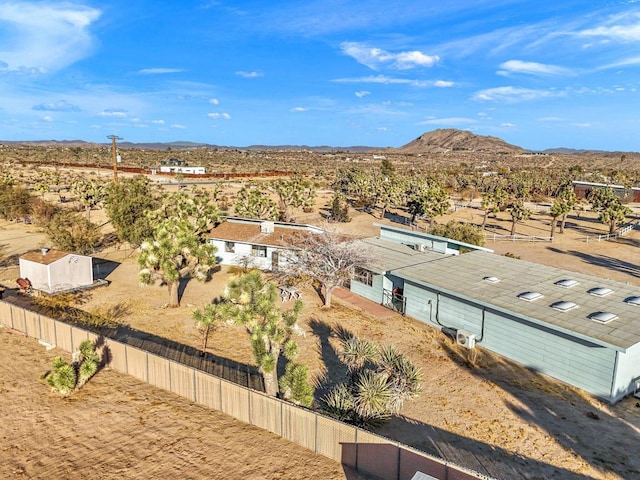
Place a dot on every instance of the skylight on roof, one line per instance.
(567, 283)
(530, 296)
(491, 279)
(600, 291)
(603, 317)
(564, 306)
(633, 301)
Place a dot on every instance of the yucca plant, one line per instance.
(63, 377)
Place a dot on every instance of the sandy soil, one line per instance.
(486, 413)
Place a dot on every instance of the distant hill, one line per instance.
(451, 139)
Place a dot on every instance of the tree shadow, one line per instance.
(231, 370)
(610, 263)
(601, 440)
(335, 371)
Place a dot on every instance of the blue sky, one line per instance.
(538, 74)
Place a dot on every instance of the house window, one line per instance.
(230, 247)
(363, 275)
(258, 250)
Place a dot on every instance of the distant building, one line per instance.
(174, 165)
(583, 190)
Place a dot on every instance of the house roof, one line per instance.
(387, 255)
(248, 231)
(47, 258)
(468, 276)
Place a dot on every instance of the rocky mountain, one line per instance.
(453, 140)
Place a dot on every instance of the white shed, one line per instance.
(52, 271)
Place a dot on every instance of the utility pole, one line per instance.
(115, 156)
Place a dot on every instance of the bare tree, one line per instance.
(329, 258)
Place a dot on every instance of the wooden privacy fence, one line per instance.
(364, 451)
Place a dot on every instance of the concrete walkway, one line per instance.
(351, 299)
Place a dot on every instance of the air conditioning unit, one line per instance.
(636, 390)
(420, 247)
(466, 339)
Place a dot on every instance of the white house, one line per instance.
(256, 243)
(54, 271)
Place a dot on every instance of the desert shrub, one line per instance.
(66, 377)
(73, 232)
(294, 384)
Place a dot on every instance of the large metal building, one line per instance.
(580, 329)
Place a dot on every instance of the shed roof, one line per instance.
(462, 276)
(47, 258)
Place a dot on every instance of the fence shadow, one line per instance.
(610, 263)
(236, 372)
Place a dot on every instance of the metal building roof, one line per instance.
(465, 276)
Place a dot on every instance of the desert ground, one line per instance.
(485, 413)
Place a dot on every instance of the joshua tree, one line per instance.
(67, 377)
(210, 318)
(179, 248)
(610, 209)
(518, 212)
(254, 203)
(431, 203)
(90, 194)
(254, 306)
(492, 201)
(295, 192)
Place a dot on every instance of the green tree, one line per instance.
(519, 212)
(492, 202)
(270, 329)
(562, 205)
(180, 247)
(463, 232)
(339, 211)
(127, 204)
(431, 203)
(70, 231)
(15, 202)
(254, 203)
(295, 386)
(295, 192)
(209, 319)
(610, 209)
(90, 194)
(387, 170)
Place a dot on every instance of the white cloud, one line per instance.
(382, 129)
(47, 118)
(216, 115)
(159, 71)
(531, 68)
(452, 121)
(157, 122)
(178, 126)
(624, 27)
(442, 84)
(249, 74)
(114, 112)
(507, 124)
(299, 109)
(59, 106)
(513, 94)
(375, 58)
(581, 125)
(214, 101)
(550, 119)
(362, 93)
(383, 79)
(45, 36)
